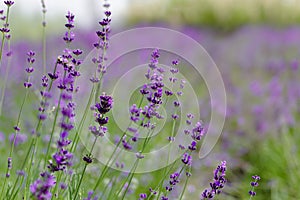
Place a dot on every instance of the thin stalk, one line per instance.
(29, 168)
(104, 171)
(169, 151)
(33, 140)
(164, 177)
(44, 35)
(53, 126)
(130, 177)
(56, 185)
(184, 187)
(14, 140)
(3, 35)
(85, 166)
(111, 190)
(14, 196)
(5, 81)
(23, 165)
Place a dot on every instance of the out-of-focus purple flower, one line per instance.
(41, 188)
(198, 131)
(20, 138)
(2, 137)
(143, 196)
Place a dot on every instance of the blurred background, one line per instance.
(226, 15)
(255, 44)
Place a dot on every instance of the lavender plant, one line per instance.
(60, 167)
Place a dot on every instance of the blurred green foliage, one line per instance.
(220, 14)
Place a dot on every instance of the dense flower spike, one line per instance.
(69, 35)
(105, 104)
(66, 84)
(29, 69)
(103, 42)
(218, 184)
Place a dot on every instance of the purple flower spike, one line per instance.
(105, 104)
(218, 184)
(254, 184)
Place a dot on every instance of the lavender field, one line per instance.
(152, 107)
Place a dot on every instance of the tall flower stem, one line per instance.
(171, 168)
(3, 35)
(184, 187)
(84, 169)
(13, 142)
(44, 35)
(5, 80)
(33, 139)
(29, 169)
(53, 126)
(165, 173)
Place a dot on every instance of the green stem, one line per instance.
(5, 80)
(85, 166)
(23, 165)
(104, 171)
(52, 131)
(53, 126)
(29, 168)
(169, 152)
(56, 185)
(184, 187)
(14, 140)
(44, 36)
(3, 35)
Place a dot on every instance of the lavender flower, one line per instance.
(218, 184)
(187, 159)
(9, 3)
(29, 69)
(41, 188)
(254, 184)
(105, 104)
(173, 181)
(20, 138)
(143, 196)
(69, 35)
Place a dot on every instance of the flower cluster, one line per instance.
(5, 29)
(40, 189)
(69, 35)
(102, 107)
(218, 184)
(70, 64)
(29, 69)
(103, 42)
